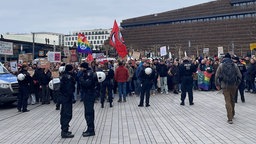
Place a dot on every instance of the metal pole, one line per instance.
(54, 47)
(33, 47)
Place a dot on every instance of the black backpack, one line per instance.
(229, 74)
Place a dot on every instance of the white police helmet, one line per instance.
(51, 84)
(21, 77)
(148, 70)
(61, 69)
(101, 76)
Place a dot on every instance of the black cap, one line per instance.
(84, 65)
(236, 58)
(68, 68)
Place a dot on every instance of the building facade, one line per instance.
(230, 24)
(96, 38)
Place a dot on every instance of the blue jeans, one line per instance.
(122, 90)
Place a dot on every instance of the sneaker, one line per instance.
(119, 100)
(140, 105)
(147, 105)
(191, 103)
(182, 103)
(230, 121)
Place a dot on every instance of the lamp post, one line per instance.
(54, 47)
(33, 46)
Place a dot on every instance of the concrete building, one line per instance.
(230, 24)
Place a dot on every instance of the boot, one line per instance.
(110, 105)
(88, 133)
(67, 135)
(102, 105)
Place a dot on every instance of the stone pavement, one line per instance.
(164, 122)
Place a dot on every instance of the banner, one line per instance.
(163, 51)
(6, 48)
(252, 46)
(28, 57)
(136, 55)
(66, 51)
(54, 56)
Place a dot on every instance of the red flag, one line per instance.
(89, 58)
(116, 40)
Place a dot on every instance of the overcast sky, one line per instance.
(65, 16)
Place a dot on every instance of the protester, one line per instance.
(121, 76)
(228, 77)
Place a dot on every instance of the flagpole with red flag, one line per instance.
(116, 40)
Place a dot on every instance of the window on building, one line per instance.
(68, 43)
(88, 37)
(72, 43)
(102, 37)
(94, 42)
(76, 38)
(72, 38)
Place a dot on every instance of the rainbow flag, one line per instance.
(83, 44)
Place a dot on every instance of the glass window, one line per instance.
(88, 38)
(72, 38)
(71, 43)
(76, 38)
(68, 43)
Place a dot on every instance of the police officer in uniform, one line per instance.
(241, 86)
(107, 84)
(147, 79)
(23, 89)
(67, 88)
(88, 83)
(186, 71)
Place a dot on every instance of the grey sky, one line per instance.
(65, 16)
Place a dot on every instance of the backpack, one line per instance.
(228, 74)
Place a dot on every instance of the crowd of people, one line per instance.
(78, 82)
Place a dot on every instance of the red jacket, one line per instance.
(121, 74)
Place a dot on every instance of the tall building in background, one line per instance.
(196, 30)
(96, 38)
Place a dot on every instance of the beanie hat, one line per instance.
(227, 55)
(68, 68)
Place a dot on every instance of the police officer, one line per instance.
(146, 77)
(186, 71)
(241, 86)
(24, 83)
(67, 88)
(107, 84)
(88, 83)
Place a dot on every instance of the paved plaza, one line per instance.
(164, 122)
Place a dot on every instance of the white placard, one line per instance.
(6, 48)
(163, 51)
(54, 56)
(14, 66)
(220, 50)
